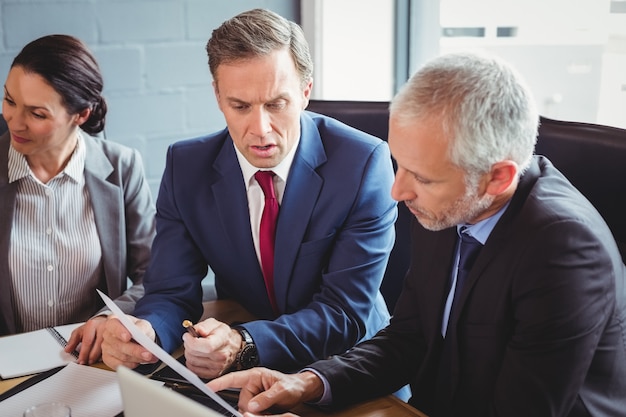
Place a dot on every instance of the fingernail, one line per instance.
(253, 405)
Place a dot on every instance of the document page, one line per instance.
(88, 391)
(34, 352)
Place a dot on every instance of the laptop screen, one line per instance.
(143, 396)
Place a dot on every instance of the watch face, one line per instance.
(249, 357)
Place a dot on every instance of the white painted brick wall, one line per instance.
(151, 53)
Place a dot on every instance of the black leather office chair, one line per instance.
(591, 156)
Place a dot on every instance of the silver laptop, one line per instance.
(143, 397)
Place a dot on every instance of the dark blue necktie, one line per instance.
(468, 252)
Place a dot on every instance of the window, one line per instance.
(571, 52)
(568, 51)
(352, 46)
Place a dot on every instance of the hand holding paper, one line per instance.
(156, 350)
(119, 347)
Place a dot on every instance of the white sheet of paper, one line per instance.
(168, 359)
(33, 352)
(89, 391)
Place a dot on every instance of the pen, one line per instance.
(187, 324)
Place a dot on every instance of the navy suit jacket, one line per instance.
(334, 234)
(539, 329)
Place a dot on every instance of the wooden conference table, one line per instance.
(230, 311)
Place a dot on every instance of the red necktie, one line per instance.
(267, 232)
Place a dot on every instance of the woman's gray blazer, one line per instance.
(124, 214)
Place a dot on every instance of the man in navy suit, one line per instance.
(333, 235)
(535, 326)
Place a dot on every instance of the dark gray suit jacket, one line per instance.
(124, 214)
(541, 325)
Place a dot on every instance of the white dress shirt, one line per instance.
(256, 198)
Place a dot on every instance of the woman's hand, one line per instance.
(88, 339)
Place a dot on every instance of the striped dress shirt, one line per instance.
(55, 254)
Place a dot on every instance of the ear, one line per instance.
(502, 175)
(308, 88)
(82, 116)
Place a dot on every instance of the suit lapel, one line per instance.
(107, 211)
(497, 239)
(229, 191)
(303, 188)
(439, 269)
(7, 206)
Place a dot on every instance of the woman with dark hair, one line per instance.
(76, 213)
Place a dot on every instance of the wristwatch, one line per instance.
(247, 357)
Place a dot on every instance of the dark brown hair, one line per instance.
(68, 66)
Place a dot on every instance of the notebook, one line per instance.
(142, 396)
(35, 351)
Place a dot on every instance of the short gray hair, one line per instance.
(487, 111)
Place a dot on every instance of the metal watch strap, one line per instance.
(245, 336)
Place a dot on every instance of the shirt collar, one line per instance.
(18, 165)
(281, 170)
(76, 166)
(481, 230)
